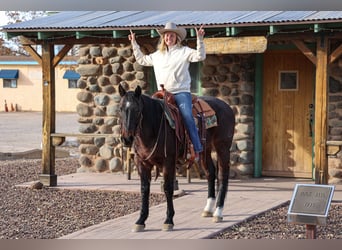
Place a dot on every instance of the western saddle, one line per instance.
(203, 114)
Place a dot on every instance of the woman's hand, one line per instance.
(200, 32)
(131, 36)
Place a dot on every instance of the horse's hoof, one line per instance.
(217, 219)
(167, 227)
(207, 214)
(138, 228)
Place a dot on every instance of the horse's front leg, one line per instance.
(145, 182)
(169, 178)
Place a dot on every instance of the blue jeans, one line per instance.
(183, 101)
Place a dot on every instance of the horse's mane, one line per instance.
(152, 112)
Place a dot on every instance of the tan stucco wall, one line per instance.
(28, 95)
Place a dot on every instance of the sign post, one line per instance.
(310, 205)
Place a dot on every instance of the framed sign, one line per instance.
(310, 204)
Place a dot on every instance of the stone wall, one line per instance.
(103, 67)
(231, 78)
(335, 123)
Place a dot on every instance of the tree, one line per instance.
(13, 46)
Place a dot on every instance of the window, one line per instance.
(288, 80)
(10, 83)
(9, 77)
(195, 77)
(72, 84)
(72, 77)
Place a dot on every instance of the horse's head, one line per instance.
(130, 114)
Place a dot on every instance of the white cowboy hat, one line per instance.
(181, 32)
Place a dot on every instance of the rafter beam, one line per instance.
(228, 32)
(273, 29)
(119, 34)
(33, 53)
(235, 31)
(317, 27)
(61, 54)
(154, 33)
(335, 54)
(305, 50)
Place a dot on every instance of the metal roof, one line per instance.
(91, 20)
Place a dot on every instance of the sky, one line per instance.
(3, 18)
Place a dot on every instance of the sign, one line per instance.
(235, 45)
(310, 204)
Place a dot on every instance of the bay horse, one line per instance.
(144, 126)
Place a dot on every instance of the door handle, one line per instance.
(311, 119)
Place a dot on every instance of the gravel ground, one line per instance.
(273, 225)
(50, 213)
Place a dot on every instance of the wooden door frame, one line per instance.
(322, 59)
(298, 167)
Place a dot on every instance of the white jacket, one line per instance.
(171, 67)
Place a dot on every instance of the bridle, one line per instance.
(162, 121)
(137, 132)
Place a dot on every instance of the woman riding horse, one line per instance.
(155, 142)
(145, 127)
(171, 66)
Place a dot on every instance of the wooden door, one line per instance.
(286, 134)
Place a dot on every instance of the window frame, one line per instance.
(292, 78)
(72, 83)
(10, 83)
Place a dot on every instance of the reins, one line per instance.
(162, 120)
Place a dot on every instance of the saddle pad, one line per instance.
(210, 121)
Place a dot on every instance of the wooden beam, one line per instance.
(305, 50)
(273, 29)
(33, 53)
(235, 31)
(154, 33)
(335, 54)
(61, 54)
(192, 33)
(321, 103)
(317, 27)
(26, 41)
(81, 34)
(48, 176)
(228, 31)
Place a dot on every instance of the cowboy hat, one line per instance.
(172, 27)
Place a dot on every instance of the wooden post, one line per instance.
(321, 103)
(48, 176)
(311, 231)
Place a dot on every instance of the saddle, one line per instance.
(203, 114)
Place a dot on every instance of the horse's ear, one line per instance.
(122, 91)
(137, 91)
